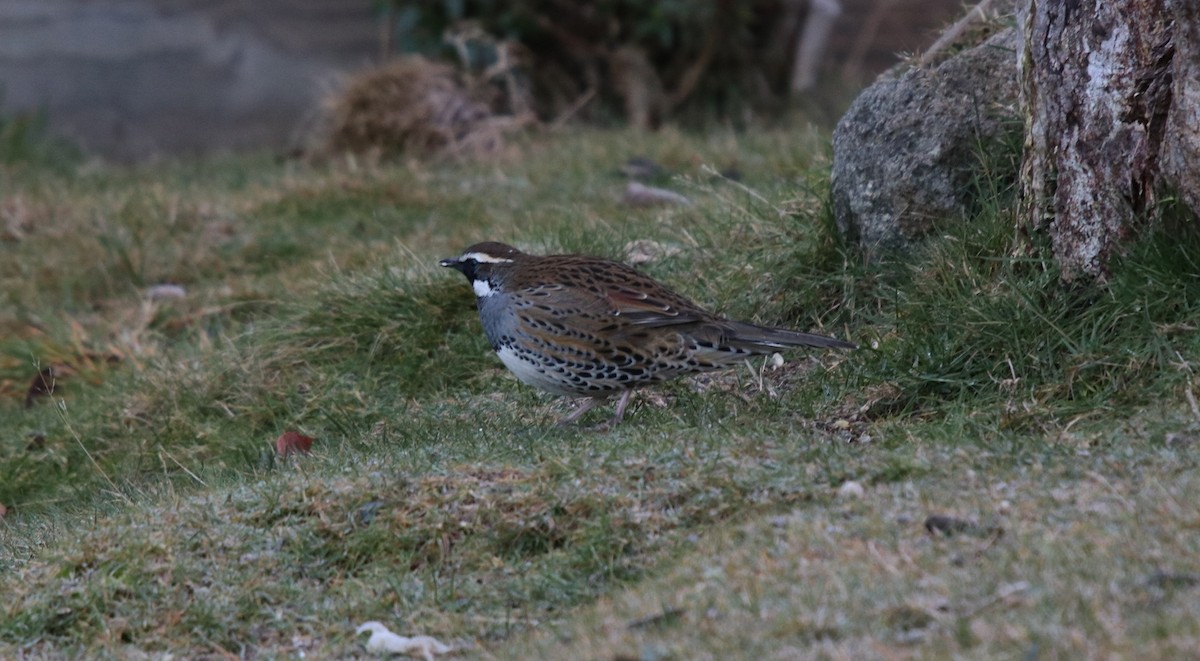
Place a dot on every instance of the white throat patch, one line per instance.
(482, 288)
(483, 258)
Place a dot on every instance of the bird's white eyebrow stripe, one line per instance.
(483, 258)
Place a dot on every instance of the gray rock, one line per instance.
(906, 150)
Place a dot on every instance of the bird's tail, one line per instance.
(759, 339)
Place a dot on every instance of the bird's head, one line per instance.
(484, 264)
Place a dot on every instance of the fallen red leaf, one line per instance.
(293, 442)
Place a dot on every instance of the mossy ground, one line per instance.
(148, 513)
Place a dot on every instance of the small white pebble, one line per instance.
(776, 360)
(851, 489)
(645, 251)
(164, 292)
(382, 640)
(641, 195)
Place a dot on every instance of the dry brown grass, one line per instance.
(414, 107)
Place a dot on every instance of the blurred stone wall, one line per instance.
(129, 79)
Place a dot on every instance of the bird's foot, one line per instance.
(590, 403)
(584, 406)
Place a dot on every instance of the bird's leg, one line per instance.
(584, 406)
(619, 414)
(590, 403)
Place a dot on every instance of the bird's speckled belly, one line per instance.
(564, 351)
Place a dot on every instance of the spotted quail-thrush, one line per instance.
(590, 327)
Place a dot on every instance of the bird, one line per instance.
(595, 328)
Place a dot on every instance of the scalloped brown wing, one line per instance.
(642, 309)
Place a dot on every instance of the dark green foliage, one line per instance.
(742, 49)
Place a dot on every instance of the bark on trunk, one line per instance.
(1181, 153)
(1096, 90)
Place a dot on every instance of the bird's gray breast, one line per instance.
(496, 315)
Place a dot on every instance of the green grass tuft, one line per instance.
(148, 512)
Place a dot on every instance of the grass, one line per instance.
(148, 512)
(1055, 575)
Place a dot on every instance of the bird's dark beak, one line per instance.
(466, 268)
